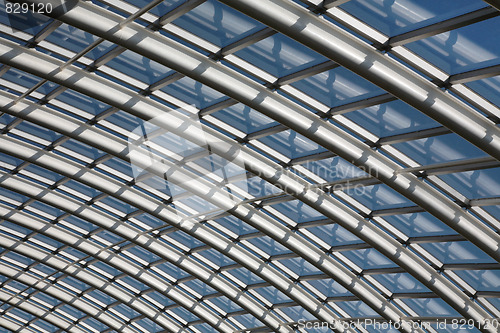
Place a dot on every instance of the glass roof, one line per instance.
(237, 166)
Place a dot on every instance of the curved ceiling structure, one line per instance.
(250, 166)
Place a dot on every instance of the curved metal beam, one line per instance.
(282, 234)
(254, 162)
(26, 305)
(182, 59)
(124, 265)
(56, 292)
(149, 243)
(89, 278)
(383, 243)
(151, 206)
(361, 58)
(173, 55)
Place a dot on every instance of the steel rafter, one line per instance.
(124, 265)
(38, 312)
(46, 117)
(136, 198)
(336, 270)
(149, 243)
(106, 287)
(240, 88)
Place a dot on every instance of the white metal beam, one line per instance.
(198, 67)
(152, 244)
(112, 259)
(329, 207)
(336, 44)
(99, 139)
(259, 220)
(53, 261)
(56, 292)
(151, 206)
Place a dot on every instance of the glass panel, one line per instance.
(368, 259)
(131, 282)
(248, 320)
(6, 119)
(193, 92)
(337, 86)
(218, 23)
(245, 276)
(164, 7)
(139, 67)
(457, 252)
(334, 168)
(333, 234)
(380, 196)
(431, 307)
(203, 328)
(72, 311)
(400, 283)
(45, 325)
(83, 102)
(120, 166)
(125, 310)
(143, 254)
(300, 266)
(19, 258)
(461, 50)
(269, 245)
(185, 239)
(329, 288)
(475, 184)
(419, 225)
(488, 88)
(160, 298)
(26, 317)
(280, 55)
(244, 118)
(216, 257)
(200, 287)
(235, 225)
(273, 295)
(298, 211)
(83, 149)
(493, 210)
(151, 221)
(357, 309)
(21, 78)
(148, 325)
(258, 187)
(399, 16)
(76, 40)
(481, 280)
(54, 177)
(172, 270)
(292, 144)
(391, 118)
(226, 304)
(94, 323)
(79, 223)
(438, 149)
(125, 120)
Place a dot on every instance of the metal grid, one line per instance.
(245, 276)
